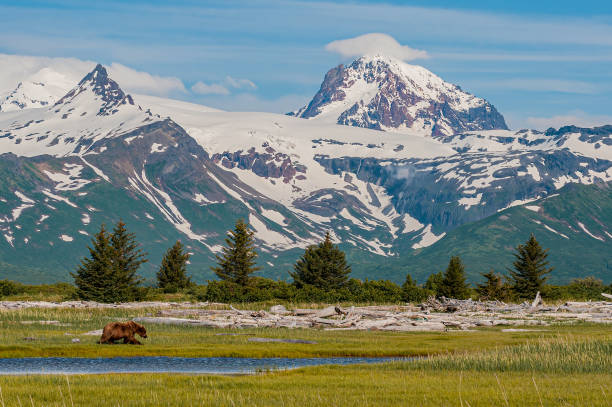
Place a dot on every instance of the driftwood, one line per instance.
(266, 340)
(537, 301)
(435, 314)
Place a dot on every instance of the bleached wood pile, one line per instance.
(432, 315)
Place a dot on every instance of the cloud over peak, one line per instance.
(222, 88)
(16, 68)
(374, 44)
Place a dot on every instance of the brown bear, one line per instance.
(114, 331)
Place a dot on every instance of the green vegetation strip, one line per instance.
(562, 371)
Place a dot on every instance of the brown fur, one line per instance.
(115, 331)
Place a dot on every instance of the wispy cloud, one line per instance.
(16, 68)
(374, 44)
(576, 117)
(240, 83)
(248, 102)
(143, 82)
(540, 85)
(202, 88)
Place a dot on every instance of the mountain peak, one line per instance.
(103, 87)
(385, 93)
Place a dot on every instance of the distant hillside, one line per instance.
(576, 225)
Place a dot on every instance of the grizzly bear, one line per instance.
(114, 331)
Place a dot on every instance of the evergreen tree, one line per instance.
(323, 266)
(109, 273)
(434, 282)
(492, 288)
(237, 261)
(127, 258)
(411, 292)
(453, 284)
(94, 277)
(172, 274)
(530, 268)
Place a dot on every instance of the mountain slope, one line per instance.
(575, 225)
(174, 170)
(383, 93)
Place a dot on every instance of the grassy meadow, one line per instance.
(28, 333)
(556, 365)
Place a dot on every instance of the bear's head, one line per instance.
(139, 329)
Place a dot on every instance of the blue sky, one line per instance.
(539, 62)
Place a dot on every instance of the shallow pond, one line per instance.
(162, 364)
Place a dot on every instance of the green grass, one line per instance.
(165, 340)
(540, 373)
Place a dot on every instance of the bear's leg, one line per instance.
(134, 341)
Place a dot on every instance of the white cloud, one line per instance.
(248, 102)
(16, 68)
(143, 82)
(540, 85)
(374, 44)
(223, 88)
(239, 83)
(576, 118)
(202, 88)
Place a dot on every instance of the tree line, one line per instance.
(109, 274)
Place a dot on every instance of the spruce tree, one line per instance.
(434, 282)
(492, 288)
(454, 285)
(411, 292)
(172, 274)
(94, 277)
(323, 266)
(127, 260)
(109, 273)
(530, 268)
(237, 260)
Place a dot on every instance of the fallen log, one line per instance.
(267, 340)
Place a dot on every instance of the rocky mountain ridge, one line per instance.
(383, 93)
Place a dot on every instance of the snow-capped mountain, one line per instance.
(95, 108)
(176, 170)
(41, 89)
(384, 93)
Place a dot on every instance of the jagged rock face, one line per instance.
(101, 85)
(386, 94)
(270, 164)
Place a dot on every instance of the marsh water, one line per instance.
(162, 364)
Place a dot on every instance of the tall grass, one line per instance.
(563, 354)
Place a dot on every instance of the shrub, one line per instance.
(8, 287)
